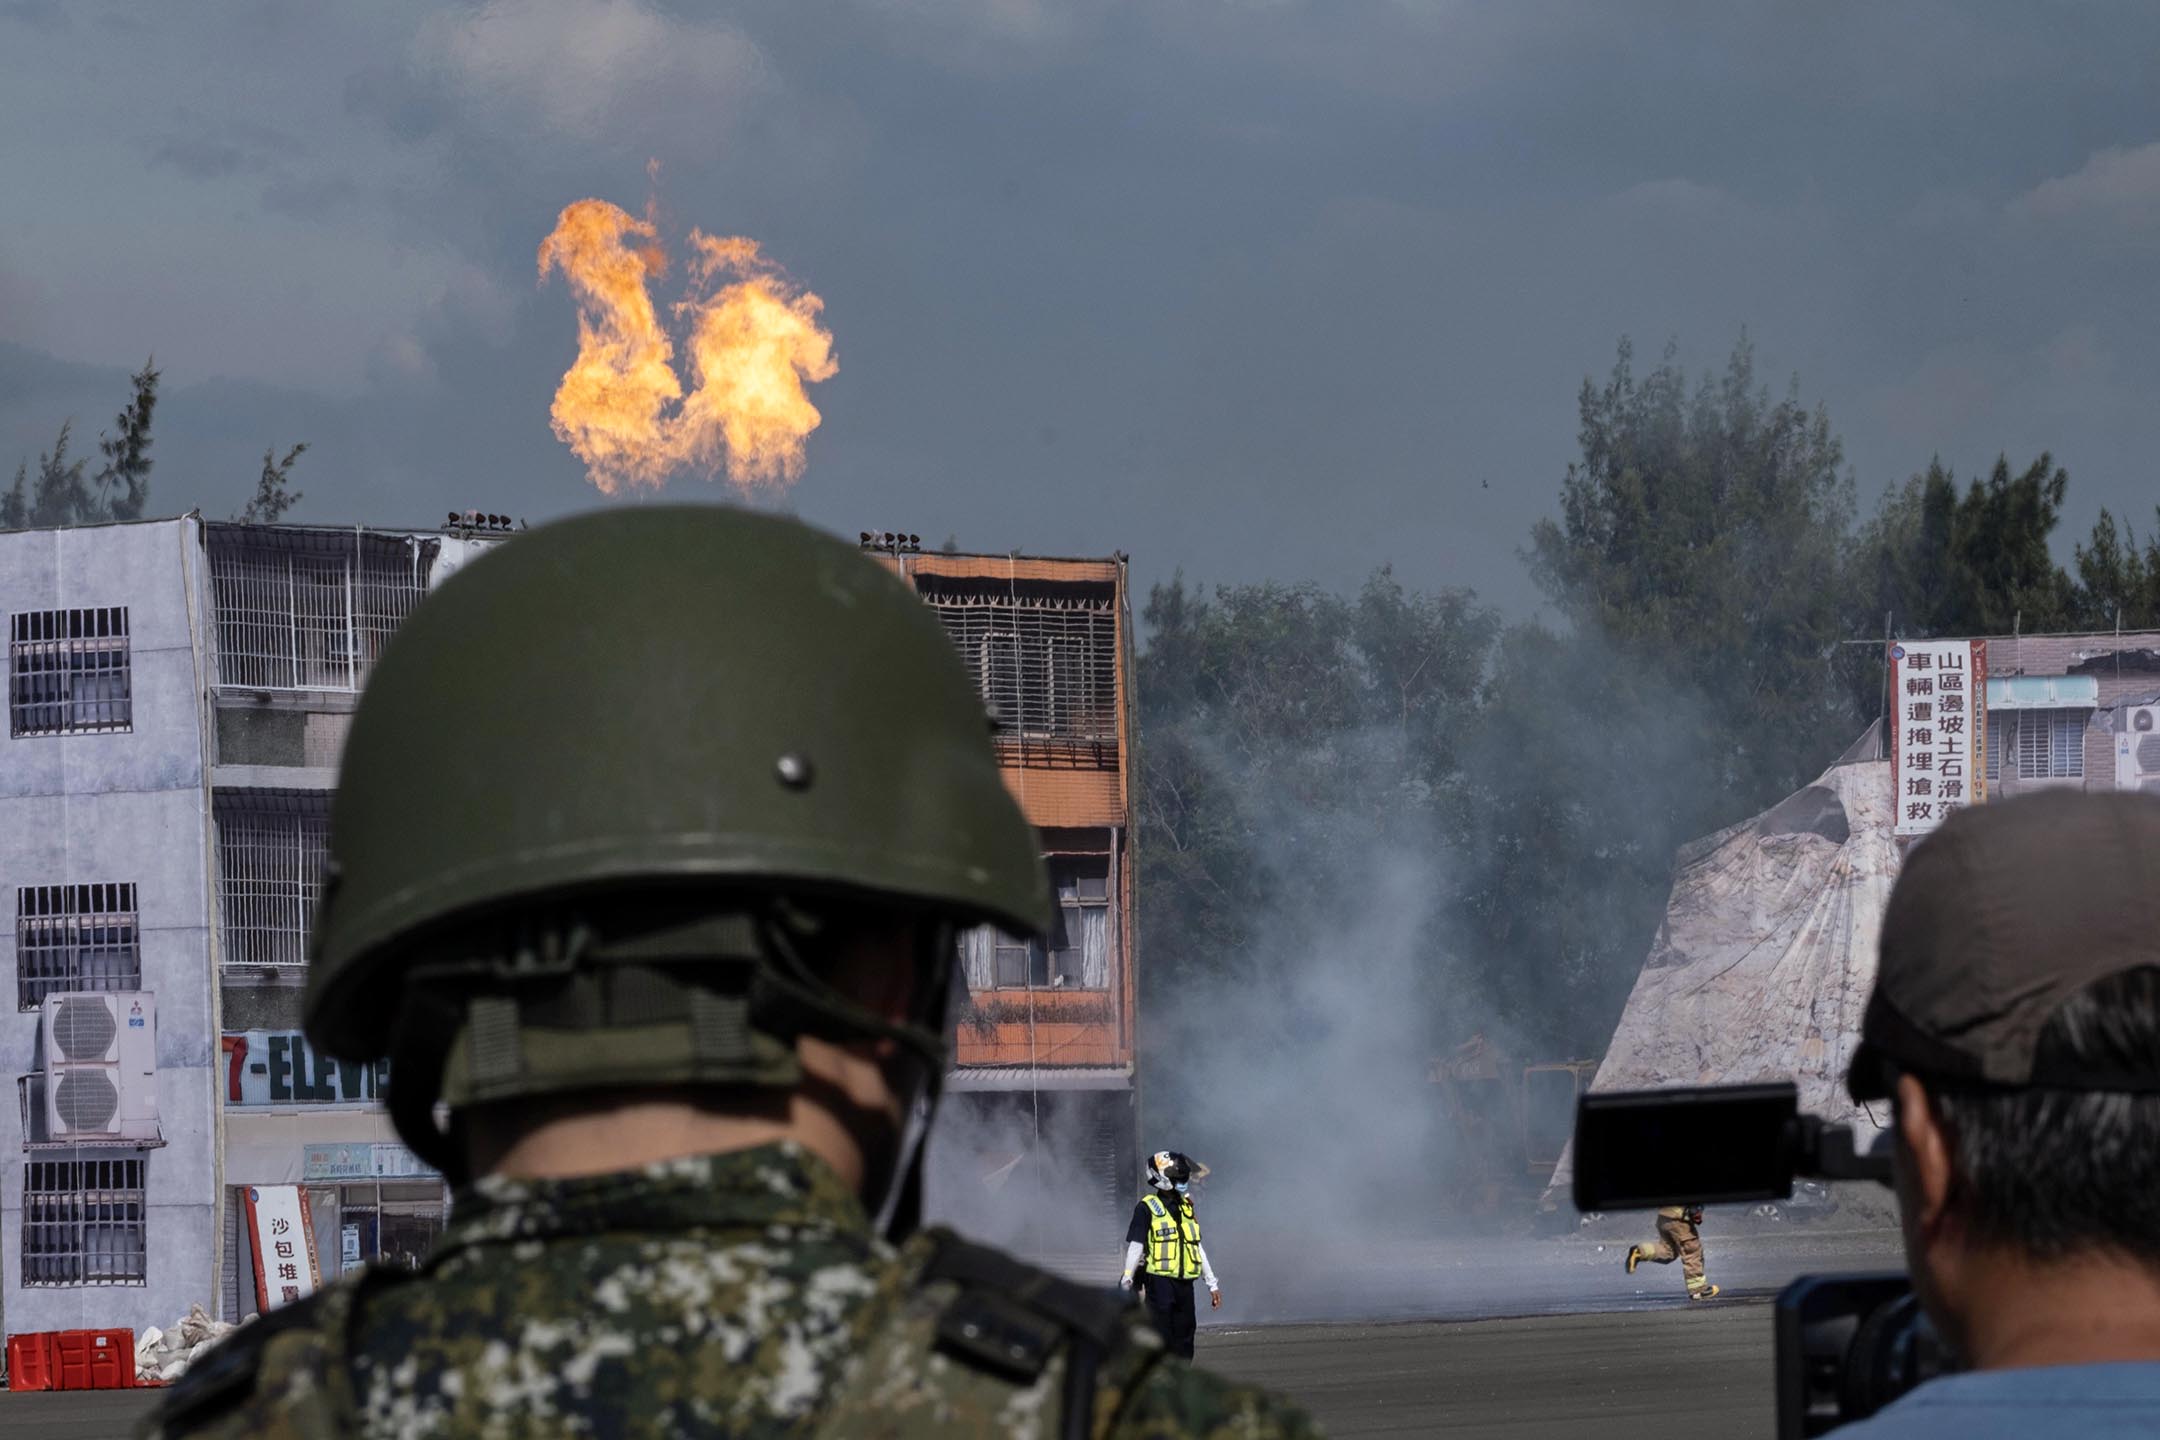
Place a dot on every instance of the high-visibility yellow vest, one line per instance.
(1173, 1247)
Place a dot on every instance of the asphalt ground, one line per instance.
(1679, 1369)
(1586, 1350)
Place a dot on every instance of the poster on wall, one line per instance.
(1938, 730)
(282, 1237)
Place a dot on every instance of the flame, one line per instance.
(753, 343)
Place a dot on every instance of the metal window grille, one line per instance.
(75, 937)
(85, 1222)
(292, 618)
(68, 672)
(2046, 744)
(1046, 667)
(270, 865)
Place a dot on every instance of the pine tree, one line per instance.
(123, 482)
(272, 497)
(15, 504)
(60, 495)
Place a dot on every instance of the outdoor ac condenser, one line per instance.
(2137, 749)
(101, 1066)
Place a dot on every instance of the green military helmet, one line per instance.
(693, 702)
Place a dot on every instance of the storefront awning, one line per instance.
(2044, 692)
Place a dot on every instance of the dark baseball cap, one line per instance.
(2005, 912)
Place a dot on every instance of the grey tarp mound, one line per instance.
(1767, 953)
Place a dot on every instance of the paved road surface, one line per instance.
(1644, 1363)
(1653, 1374)
(1642, 1375)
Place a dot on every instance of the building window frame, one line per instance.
(76, 937)
(70, 672)
(85, 1221)
(272, 849)
(1045, 665)
(1084, 917)
(2037, 744)
(309, 611)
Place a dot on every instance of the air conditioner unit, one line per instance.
(101, 1066)
(2137, 748)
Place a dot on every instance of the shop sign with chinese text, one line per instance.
(1938, 730)
(283, 1240)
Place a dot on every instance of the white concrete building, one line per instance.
(178, 695)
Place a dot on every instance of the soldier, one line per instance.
(1679, 1238)
(653, 836)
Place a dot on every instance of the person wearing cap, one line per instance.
(1679, 1229)
(1163, 1249)
(653, 835)
(2014, 1030)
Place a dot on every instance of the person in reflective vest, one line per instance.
(1165, 1235)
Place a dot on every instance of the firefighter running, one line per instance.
(1679, 1238)
(1165, 1231)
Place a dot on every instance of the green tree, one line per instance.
(273, 495)
(59, 494)
(2117, 582)
(1944, 562)
(123, 482)
(1701, 537)
(63, 493)
(15, 504)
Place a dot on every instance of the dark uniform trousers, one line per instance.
(1170, 1306)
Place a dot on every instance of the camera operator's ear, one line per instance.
(1924, 1154)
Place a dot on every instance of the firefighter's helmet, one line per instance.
(1170, 1169)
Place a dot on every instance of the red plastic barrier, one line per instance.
(93, 1359)
(29, 1361)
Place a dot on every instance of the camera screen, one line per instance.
(1638, 1149)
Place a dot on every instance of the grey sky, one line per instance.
(1258, 289)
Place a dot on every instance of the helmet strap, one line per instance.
(420, 1038)
(898, 1213)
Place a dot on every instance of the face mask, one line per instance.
(1183, 1188)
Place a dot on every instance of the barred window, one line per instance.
(68, 672)
(2037, 744)
(271, 850)
(75, 937)
(309, 610)
(85, 1222)
(1046, 665)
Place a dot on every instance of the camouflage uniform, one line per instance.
(721, 1295)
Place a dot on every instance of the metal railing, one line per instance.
(85, 1222)
(270, 867)
(294, 617)
(75, 937)
(69, 672)
(1045, 666)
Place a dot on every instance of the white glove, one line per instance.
(1125, 1281)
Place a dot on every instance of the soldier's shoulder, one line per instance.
(983, 1342)
(267, 1378)
(1180, 1401)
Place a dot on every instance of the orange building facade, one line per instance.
(1044, 1078)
